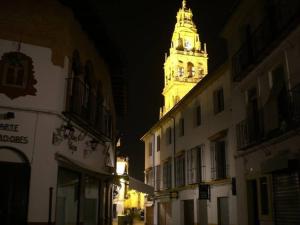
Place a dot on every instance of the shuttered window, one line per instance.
(219, 162)
(167, 175)
(157, 177)
(169, 135)
(158, 143)
(286, 196)
(195, 165)
(150, 149)
(180, 170)
(198, 116)
(218, 100)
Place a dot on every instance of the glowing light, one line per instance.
(121, 167)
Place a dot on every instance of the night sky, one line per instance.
(142, 30)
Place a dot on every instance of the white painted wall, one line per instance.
(38, 117)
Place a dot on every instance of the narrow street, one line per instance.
(135, 222)
(177, 112)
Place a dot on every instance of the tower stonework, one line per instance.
(186, 64)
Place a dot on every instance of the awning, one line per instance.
(81, 167)
(140, 186)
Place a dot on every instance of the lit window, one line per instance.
(180, 71)
(191, 69)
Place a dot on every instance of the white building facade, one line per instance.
(189, 157)
(189, 151)
(57, 119)
(264, 56)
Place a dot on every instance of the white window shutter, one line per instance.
(203, 165)
(227, 157)
(213, 160)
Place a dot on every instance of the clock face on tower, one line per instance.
(188, 45)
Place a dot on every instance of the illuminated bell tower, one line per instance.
(187, 63)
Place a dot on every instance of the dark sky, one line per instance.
(143, 30)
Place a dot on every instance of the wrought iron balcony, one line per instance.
(85, 107)
(281, 18)
(270, 122)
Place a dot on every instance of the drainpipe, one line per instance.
(174, 151)
(153, 158)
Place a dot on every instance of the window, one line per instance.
(176, 99)
(108, 124)
(149, 177)
(218, 160)
(200, 72)
(157, 177)
(158, 143)
(150, 149)
(218, 100)
(16, 75)
(279, 95)
(180, 71)
(191, 69)
(167, 174)
(181, 127)
(198, 115)
(87, 85)
(15, 71)
(180, 170)
(195, 165)
(169, 135)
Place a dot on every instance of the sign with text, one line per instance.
(12, 138)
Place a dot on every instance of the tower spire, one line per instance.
(183, 4)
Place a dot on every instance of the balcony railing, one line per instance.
(270, 122)
(84, 106)
(283, 16)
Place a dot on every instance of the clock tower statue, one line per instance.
(186, 64)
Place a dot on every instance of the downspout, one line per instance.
(174, 151)
(153, 159)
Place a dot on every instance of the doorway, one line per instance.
(164, 213)
(14, 191)
(223, 211)
(149, 215)
(253, 216)
(286, 193)
(188, 213)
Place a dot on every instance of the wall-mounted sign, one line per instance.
(12, 138)
(204, 191)
(9, 127)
